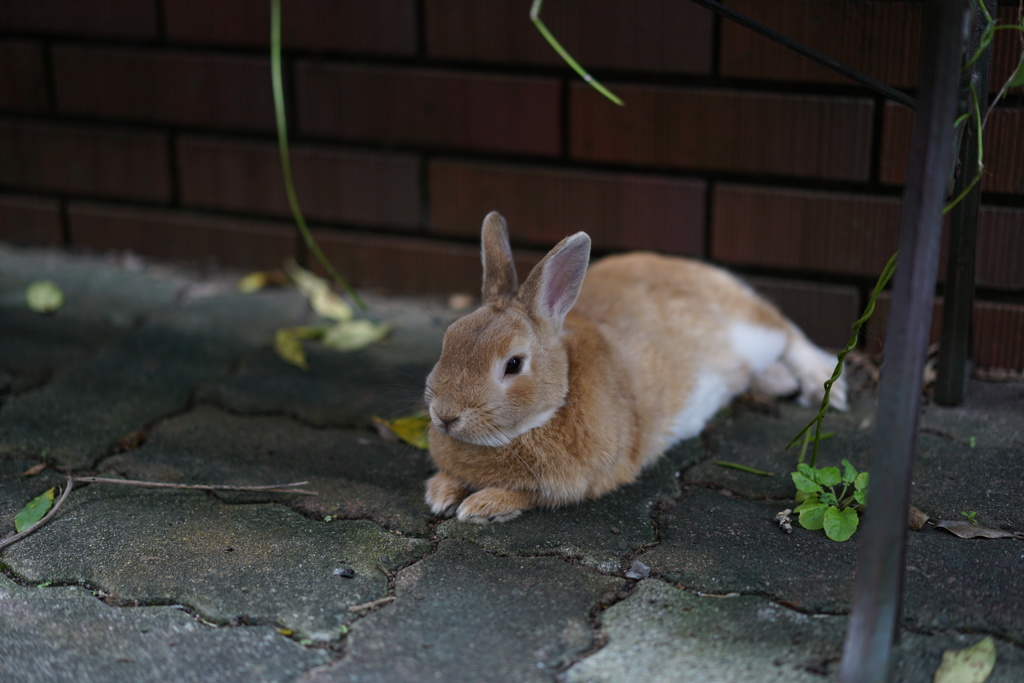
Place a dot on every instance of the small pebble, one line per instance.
(345, 572)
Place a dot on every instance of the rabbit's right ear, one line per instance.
(500, 278)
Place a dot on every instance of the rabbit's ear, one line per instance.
(554, 284)
(500, 278)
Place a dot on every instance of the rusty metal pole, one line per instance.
(878, 594)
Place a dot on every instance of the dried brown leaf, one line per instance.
(34, 470)
(916, 519)
(965, 529)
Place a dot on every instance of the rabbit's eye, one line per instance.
(514, 365)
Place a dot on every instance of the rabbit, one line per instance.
(567, 387)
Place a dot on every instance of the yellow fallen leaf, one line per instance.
(324, 301)
(44, 296)
(329, 305)
(412, 429)
(353, 335)
(288, 344)
(970, 665)
(253, 282)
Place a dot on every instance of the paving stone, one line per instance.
(719, 545)
(65, 633)
(139, 377)
(464, 615)
(992, 414)
(950, 477)
(598, 533)
(261, 564)
(965, 584)
(100, 304)
(757, 438)
(715, 544)
(660, 631)
(357, 474)
(345, 389)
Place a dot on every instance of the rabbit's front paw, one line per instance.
(494, 505)
(444, 493)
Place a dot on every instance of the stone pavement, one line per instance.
(150, 372)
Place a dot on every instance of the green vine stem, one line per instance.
(816, 421)
(282, 144)
(564, 54)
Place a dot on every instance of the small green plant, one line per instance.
(822, 508)
(971, 516)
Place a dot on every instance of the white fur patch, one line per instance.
(710, 393)
(757, 345)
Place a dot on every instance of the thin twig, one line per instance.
(370, 605)
(53, 510)
(268, 488)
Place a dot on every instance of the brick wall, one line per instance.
(148, 125)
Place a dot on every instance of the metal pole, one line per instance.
(877, 606)
(959, 290)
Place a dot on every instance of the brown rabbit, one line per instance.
(563, 389)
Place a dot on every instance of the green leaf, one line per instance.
(808, 471)
(970, 665)
(34, 511)
(829, 476)
(860, 497)
(828, 498)
(840, 524)
(804, 484)
(849, 472)
(861, 482)
(812, 513)
(44, 296)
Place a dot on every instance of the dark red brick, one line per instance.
(30, 221)
(1006, 51)
(181, 236)
(876, 326)
(716, 130)
(1000, 261)
(543, 205)
(84, 160)
(432, 108)
(998, 335)
(795, 229)
(824, 312)
(881, 39)
(644, 35)
(207, 90)
(112, 18)
(1003, 149)
(332, 185)
(366, 26)
(997, 332)
(409, 265)
(23, 86)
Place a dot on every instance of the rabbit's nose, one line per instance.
(447, 422)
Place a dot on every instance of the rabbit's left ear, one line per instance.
(554, 284)
(500, 278)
